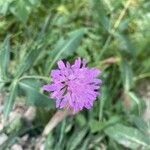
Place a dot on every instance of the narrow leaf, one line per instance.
(66, 47)
(127, 75)
(28, 60)
(137, 101)
(4, 57)
(127, 136)
(9, 101)
(76, 139)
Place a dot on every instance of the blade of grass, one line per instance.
(9, 101)
(4, 57)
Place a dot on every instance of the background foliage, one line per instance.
(112, 35)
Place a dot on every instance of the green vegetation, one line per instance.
(112, 35)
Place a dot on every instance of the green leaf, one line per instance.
(33, 2)
(21, 9)
(4, 57)
(76, 139)
(137, 101)
(85, 143)
(49, 142)
(128, 136)
(60, 143)
(140, 123)
(4, 6)
(9, 101)
(15, 125)
(125, 44)
(100, 14)
(80, 118)
(29, 59)
(127, 75)
(97, 126)
(66, 47)
(145, 65)
(102, 100)
(35, 98)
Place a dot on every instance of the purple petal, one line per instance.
(97, 81)
(63, 103)
(55, 73)
(88, 106)
(53, 87)
(77, 64)
(84, 62)
(61, 64)
(75, 86)
(95, 72)
(68, 65)
(58, 103)
(47, 87)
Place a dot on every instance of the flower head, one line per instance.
(74, 86)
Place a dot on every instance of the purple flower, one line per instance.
(74, 86)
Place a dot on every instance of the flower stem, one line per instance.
(55, 120)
